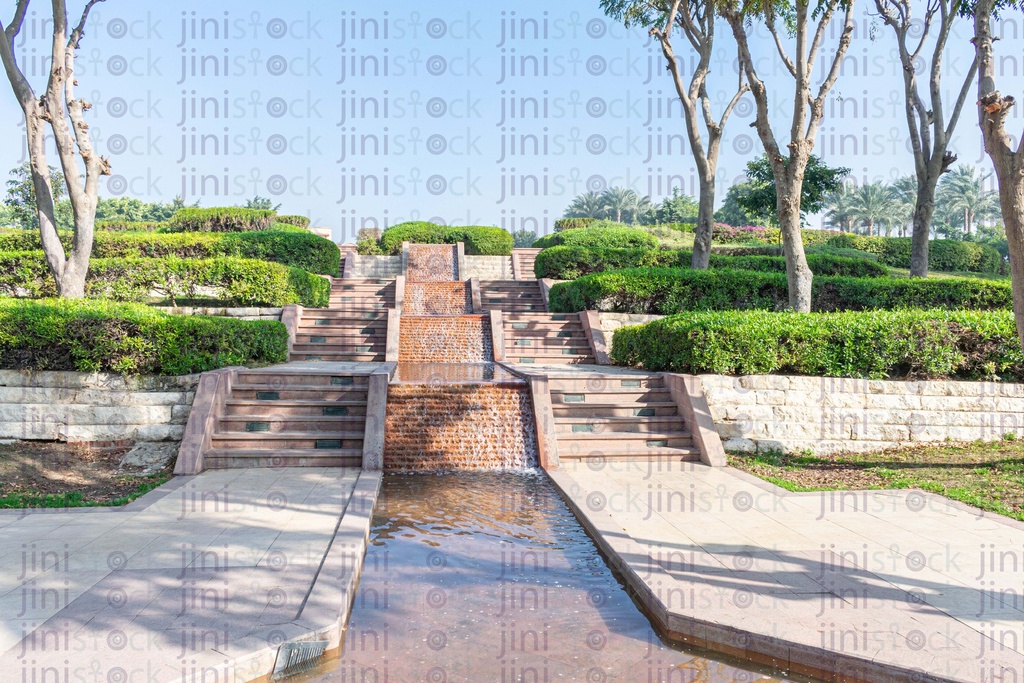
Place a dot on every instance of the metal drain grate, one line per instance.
(294, 658)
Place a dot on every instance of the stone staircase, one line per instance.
(618, 416)
(512, 296)
(545, 338)
(290, 419)
(522, 262)
(354, 328)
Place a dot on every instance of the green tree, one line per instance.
(962, 199)
(588, 205)
(839, 207)
(733, 212)
(871, 204)
(261, 203)
(21, 199)
(679, 208)
(819, 181)
(523, 238)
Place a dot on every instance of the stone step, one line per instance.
(689, 454)
(327, 335)
(294, 408)
(287, 440)
(610, 395)
(551, 317)
(270, 393)
(523, 327)
(368, 344)
(670, 439)
(550, 360)
(548, 342)
(616, 424)
(255, 379)
(268, 424)
(607, 410)
(341, 314)
(603, 383)
(376, 356)
(239, 458)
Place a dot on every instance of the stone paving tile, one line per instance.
(893, 578)
(149, 591)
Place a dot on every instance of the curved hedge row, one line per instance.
(878, 344)
(572, 223)
(673, 290)
(129, 226)
(608, 238)
(244, 282)
(297, 249)
(479, 240)
(99, 336)
(220, 219)
(943, 255)
(565, 262)
(290, 219)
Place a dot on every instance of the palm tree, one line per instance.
(589, 205)
(870, 204)
(838, 204)
(618, 201)
(904, 196)
(961, 197)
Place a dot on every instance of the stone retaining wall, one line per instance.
(372, 267)
(240, 313)
(489, 267)
(833, 415)
(78, 406)
(613, 321)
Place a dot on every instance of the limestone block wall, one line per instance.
(240, 313)
(613, 321)
(384, 267)
(78, 406)
(489, 267)
(834, 415)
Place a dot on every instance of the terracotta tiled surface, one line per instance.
(445, 339)
(432, 263)
(437, 298)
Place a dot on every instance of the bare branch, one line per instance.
(14, 28)
(76, 35)
(770, 23)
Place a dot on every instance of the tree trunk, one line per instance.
(705, 224)
(871, 227)
(1011, 196)
(798, 273)
(924, 209)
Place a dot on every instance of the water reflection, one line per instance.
(489, 577)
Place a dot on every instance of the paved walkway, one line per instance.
(873, 585)
(205, 574)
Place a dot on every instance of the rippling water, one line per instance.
(488, 577)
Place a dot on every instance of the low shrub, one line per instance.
(479, 240)
(943, 255)
(745, 234)
(572, 223)
(300, 221)
(243, 282)
(221, 219)
(570, 262)
(297, 249)
(368, 247)
(932, 344)
(601, 237)
(101, 336)
(129, 226)
(673, 290)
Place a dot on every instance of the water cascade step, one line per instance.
(465, 416)
(433, 263)
(445, 339)
(438, 298)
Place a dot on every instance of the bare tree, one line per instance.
(64, 113)
(1007, 158)
(807, 23)
(696, 21)
(930, 132)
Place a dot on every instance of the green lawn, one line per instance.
(987, 475)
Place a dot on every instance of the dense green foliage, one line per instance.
(820, 180)
(572, 223)
(245, 282)
(297, 249)
(570, 262)
(943, 255)
(673, 290)
(129, 226)
(300, 221)
(479, 240)
(221, 219)
(878, 344)
(607, 237)
(91, 336)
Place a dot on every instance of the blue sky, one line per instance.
(361, 115)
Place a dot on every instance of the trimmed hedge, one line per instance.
(572, 223)
(479, 240)
(300, 221)
(220, 219)
(100, 336)
(297, 249)
(673, 290)
(569, 262)
(968, 345)
(245, 282)
(943, 255)
(129, 226)
(608, 238)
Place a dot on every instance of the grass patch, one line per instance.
(985, 475)
(75, 499)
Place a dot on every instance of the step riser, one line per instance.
(598, 427)
(268, 410)
(261, 425)
(284, 394)
(566, 410)
(338, 358)
(552, 360)
(217, 463)
(274, 442)
(682, 456)
(248, 381)
(609, 396)
(625, 441)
